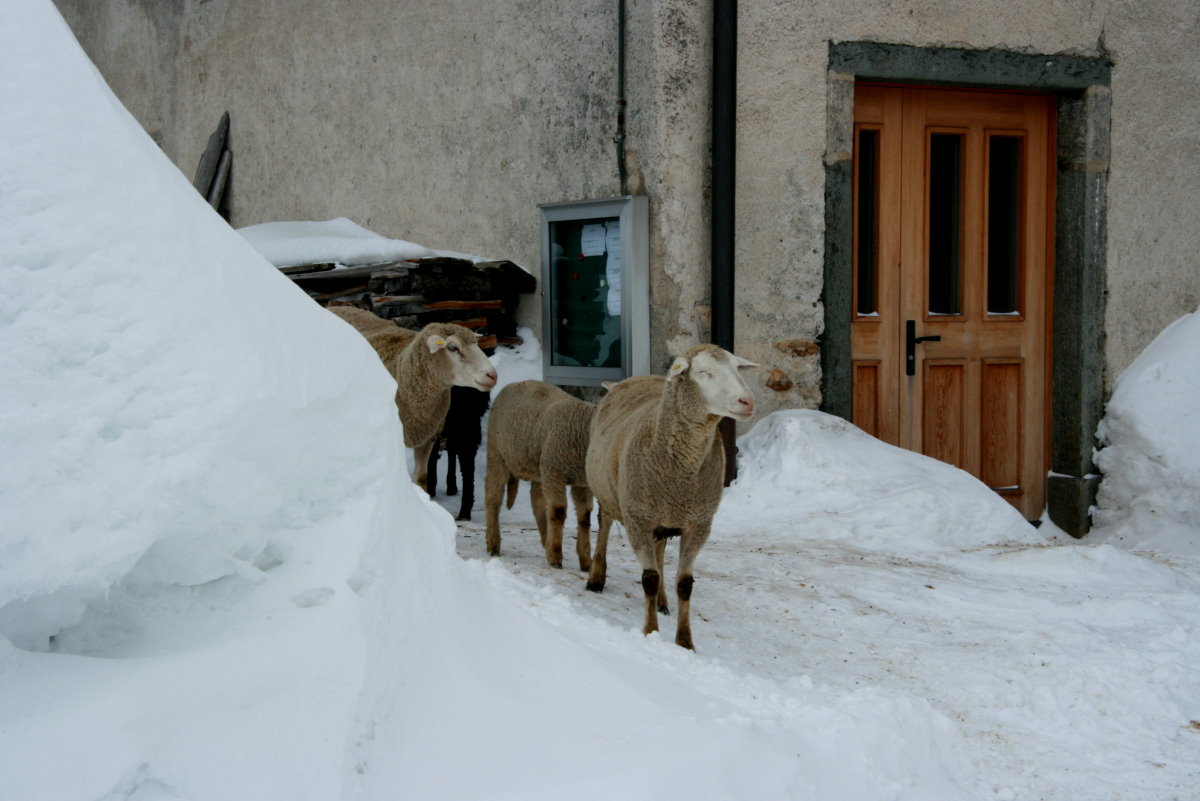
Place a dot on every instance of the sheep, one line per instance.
(461, 435)
(656, 464)
(425, 365)
(539, 433)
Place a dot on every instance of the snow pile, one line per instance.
(132, 409)
(835, 483)
(208, 590)
(1150, 446)
(339, 241)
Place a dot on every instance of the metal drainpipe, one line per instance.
(724, 106)
(619, 137)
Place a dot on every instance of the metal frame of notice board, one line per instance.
(595, 290)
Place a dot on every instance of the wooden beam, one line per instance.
(465, 304)
(211, 159)
(299, 269)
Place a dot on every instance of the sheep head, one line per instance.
(466, 363)
(713, 372)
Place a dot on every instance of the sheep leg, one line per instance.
(421, 463)
(494, 485)
(599, 570)
(537, 500)
(689, 546)
(466, 463)
(554, 494)
(581, 499)
(646, 551)
(660, 558)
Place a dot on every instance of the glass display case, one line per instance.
(595, 290)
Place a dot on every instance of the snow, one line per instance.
(1150, 497)
(217, 582)
(340, 241)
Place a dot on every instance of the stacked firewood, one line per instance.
(482, 296)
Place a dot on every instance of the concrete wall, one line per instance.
(448, 122)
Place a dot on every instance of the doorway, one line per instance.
(953, 197)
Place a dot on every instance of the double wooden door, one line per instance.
(950, 325)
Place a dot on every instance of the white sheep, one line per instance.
(425, 365)
(656, 464)
(539, 433)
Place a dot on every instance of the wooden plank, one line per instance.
(307, 268)
(341, 274)
(398, 300)
(206, 170)
(216, 192)
(445, 261)
(465, 304)
(341, 293)
(476, 322)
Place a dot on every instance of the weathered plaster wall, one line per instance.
(1153, 221)
(785, 92)
(1154, 180)
(445, 123)
(449, 122)
(134, 43)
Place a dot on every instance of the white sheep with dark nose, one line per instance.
(656, 464)
(425, 364)
(539, 433)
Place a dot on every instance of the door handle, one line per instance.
(910, 349)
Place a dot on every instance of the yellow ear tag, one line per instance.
(678, 367)
(436, 344)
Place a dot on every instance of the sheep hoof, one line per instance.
(585, 565)
(493, 551)
(663, 609)
(595, 586)
(463, 516)
(685, 642)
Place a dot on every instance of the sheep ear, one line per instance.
(435, 343)
(608, 385)
(739, 362)
(678, 368)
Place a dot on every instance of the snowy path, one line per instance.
(1065, 668)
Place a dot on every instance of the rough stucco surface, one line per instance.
(1154, 181)
(448, 122)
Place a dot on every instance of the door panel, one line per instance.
(944, 411)
(952, 204)
(1001, 424)
(866, 396)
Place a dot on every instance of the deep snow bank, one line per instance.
(154, 412)
(840, 484)
(1150, 446)
(204, 504)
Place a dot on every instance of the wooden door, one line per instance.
(949, 330)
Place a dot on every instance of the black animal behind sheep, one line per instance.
(461, 436)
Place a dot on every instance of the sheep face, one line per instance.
(714, 372)
(469, 367)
